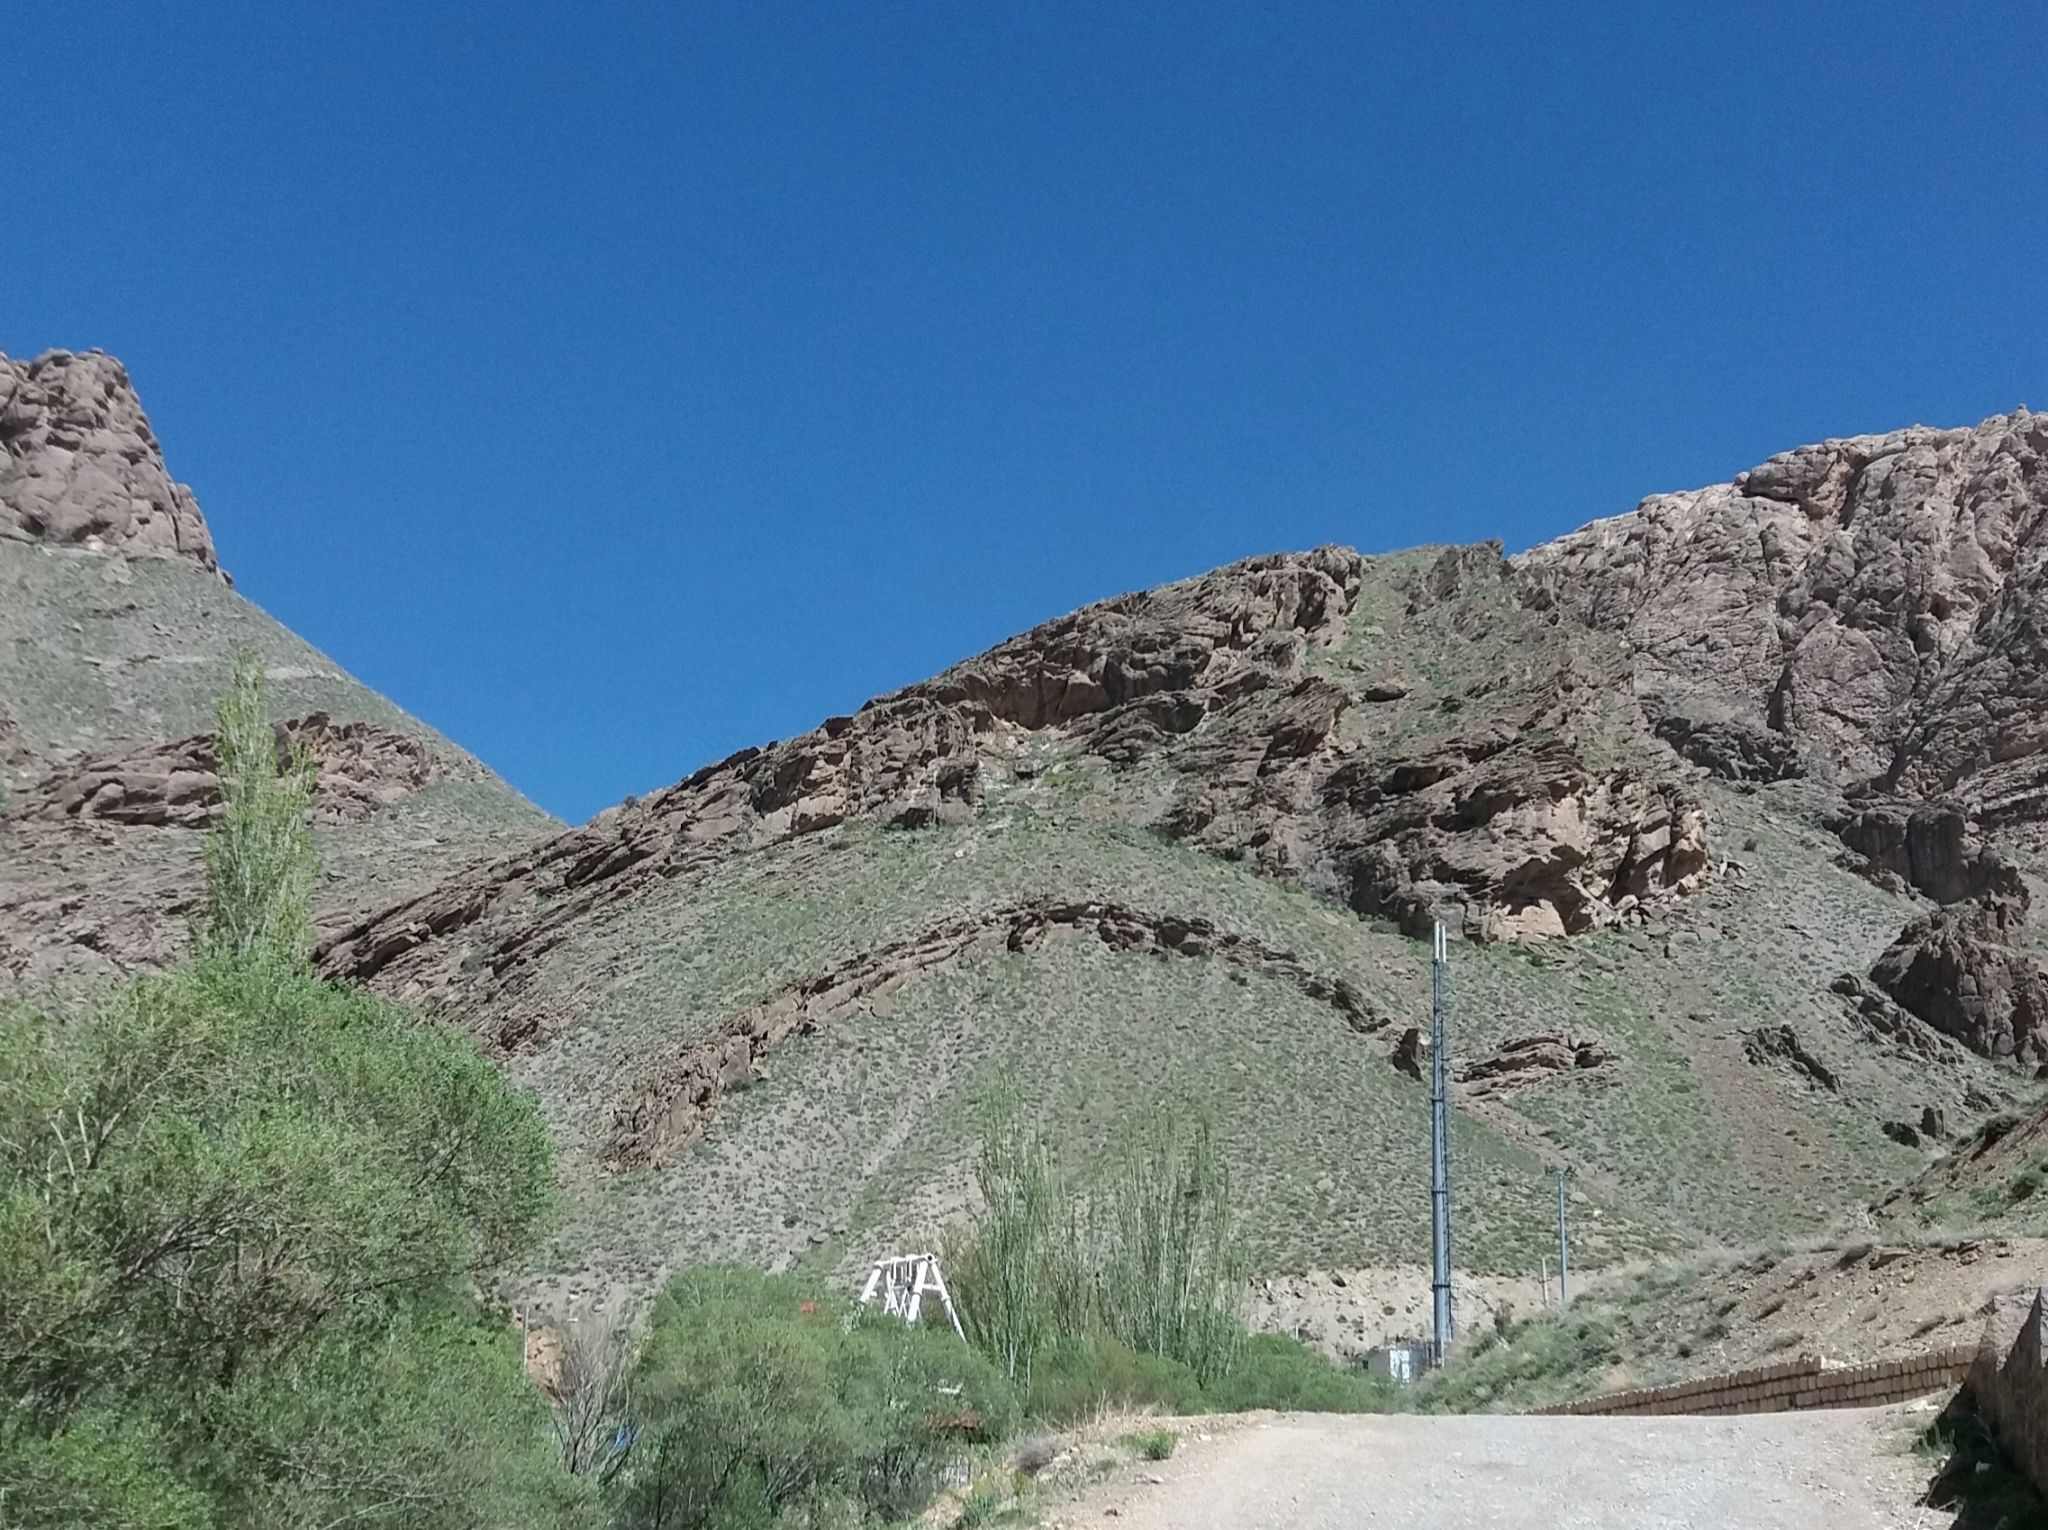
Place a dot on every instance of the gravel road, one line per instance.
(1840, 1470)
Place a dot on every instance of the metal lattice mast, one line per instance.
(1439, 1148)
(1563, 1253)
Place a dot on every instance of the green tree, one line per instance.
(260, 862)
(243, 1218)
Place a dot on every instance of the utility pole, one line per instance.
(1439, 1156)
(1563, 1256)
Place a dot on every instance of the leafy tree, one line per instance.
(260, 862)
(243, 1214)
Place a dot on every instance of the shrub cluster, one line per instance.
(1129, 1294)
(242, 1217)
(768, 1399)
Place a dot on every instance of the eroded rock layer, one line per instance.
(669, 1105)
(1222, 691)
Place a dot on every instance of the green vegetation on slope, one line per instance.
(241, 1223)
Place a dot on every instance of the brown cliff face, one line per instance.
(1878, 605)
(80, 466)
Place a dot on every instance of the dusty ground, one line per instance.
(1346, 1312)
(1845, 1470)
(1865, 1301)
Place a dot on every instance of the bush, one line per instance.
(762, 1399)
(1080, 1377)
(1149, 1258)
(1275, 1371)
(260, 863)
(1153, 1444)
(242, 1217)
(1168, 1273)
(1538, 1362)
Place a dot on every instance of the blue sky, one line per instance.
(615, 386)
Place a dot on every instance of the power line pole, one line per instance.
(1563, 1257)
(1439, 1154)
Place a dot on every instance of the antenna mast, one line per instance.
(1439, 1156)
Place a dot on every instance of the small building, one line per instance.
(1400, 1359)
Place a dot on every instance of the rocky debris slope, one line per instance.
(80, 466)
(1876, 607)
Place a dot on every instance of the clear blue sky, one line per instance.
(618, 385)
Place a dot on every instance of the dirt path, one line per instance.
(1843, 1470)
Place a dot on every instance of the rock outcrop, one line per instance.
(1934, 850)
(1954, 969)
(80, 466)
(1879, 603)
(1779, 1045)
(1528, 1060)
(359, 768)
(1509, 831)
(100, 865)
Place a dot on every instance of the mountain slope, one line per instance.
(1177, 846)
(118, 633)
(1734, 802)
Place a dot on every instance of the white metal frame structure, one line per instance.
(902, 1282)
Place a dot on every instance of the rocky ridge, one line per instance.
(1189, 824)
(1873, 606)
(1506, 828)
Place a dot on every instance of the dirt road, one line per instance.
(1843, 1470)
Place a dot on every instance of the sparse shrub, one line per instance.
(758, 1398)
(1153, 1444)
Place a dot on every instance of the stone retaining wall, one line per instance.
(2010, 1385)
(1807, 1382)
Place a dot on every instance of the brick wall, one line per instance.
(2010, 1385)
(1807, 1382)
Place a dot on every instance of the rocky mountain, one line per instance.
(118, 632)
(1737, 803)
(1736, 931)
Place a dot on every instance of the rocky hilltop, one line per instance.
(1873, 610)
(117, 634)
(80, 467)
(1737, 803)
